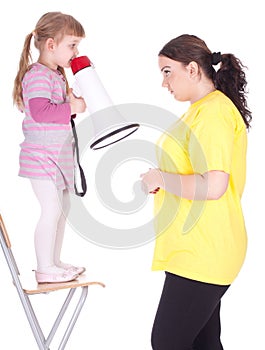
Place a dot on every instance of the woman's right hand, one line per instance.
(77, 104)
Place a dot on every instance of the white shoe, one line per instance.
(65, 276)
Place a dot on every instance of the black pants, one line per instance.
(188, 315)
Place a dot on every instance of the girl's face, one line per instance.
(176, 78)
(65, 50)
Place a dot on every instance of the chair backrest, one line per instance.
(4, 233)
(6, 246)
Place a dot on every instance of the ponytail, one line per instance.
(50, 25)
(24, 65)
(231, 80)
(62, 71)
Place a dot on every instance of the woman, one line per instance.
(201, 237)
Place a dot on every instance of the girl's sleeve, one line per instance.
(38, 87)
(42, 110)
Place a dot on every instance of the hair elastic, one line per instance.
(216, 58)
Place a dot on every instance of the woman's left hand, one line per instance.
(152, 181)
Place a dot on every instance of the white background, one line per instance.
(123, 39)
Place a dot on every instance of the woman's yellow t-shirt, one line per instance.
(203, 240)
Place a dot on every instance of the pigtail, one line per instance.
(24, 65)
(62, 71)
(50, 25)
(231, 80)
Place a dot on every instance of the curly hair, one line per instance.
(230, 78)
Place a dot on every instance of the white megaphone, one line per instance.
(109, 124)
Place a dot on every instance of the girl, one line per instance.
(201, 237)
(46, 157)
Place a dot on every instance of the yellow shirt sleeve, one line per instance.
(212, 137)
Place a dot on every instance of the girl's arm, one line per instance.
(44, 111)
(208, 186)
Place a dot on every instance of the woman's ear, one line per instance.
(193, 69)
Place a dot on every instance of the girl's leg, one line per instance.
(185, 308)
(65, 202)
(45, 233)
(61, 228)
(50, 199)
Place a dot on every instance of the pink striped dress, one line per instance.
(47, 150)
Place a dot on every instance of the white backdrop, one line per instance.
(123, 39)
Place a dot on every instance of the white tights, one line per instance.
(49, 233)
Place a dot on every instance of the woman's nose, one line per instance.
(164, 83)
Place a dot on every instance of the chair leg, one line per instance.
(34, 324)
(75, 315)
(43, 343)
(60, 316)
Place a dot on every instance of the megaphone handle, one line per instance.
(82, 174)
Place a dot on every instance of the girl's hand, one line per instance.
(152, 181)
(77, 104)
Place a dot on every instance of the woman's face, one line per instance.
(176, 78)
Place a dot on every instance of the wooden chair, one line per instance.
(82, 284)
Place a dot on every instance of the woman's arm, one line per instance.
(208, 186)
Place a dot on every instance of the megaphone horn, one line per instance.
(109, 125)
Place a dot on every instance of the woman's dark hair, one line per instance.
(230, 77)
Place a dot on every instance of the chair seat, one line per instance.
(30, 286)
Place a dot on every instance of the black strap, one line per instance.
(82, 175)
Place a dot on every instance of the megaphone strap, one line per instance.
(82, 174)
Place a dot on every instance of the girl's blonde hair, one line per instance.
(51, 25)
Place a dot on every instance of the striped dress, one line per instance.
(47, 150)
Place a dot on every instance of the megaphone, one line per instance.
(109, 125)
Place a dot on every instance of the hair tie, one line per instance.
(34, 34)
(216, 58)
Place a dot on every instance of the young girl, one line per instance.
(201, 244)
(46, 158)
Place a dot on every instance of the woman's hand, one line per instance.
(152, 181)
(77, 104)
